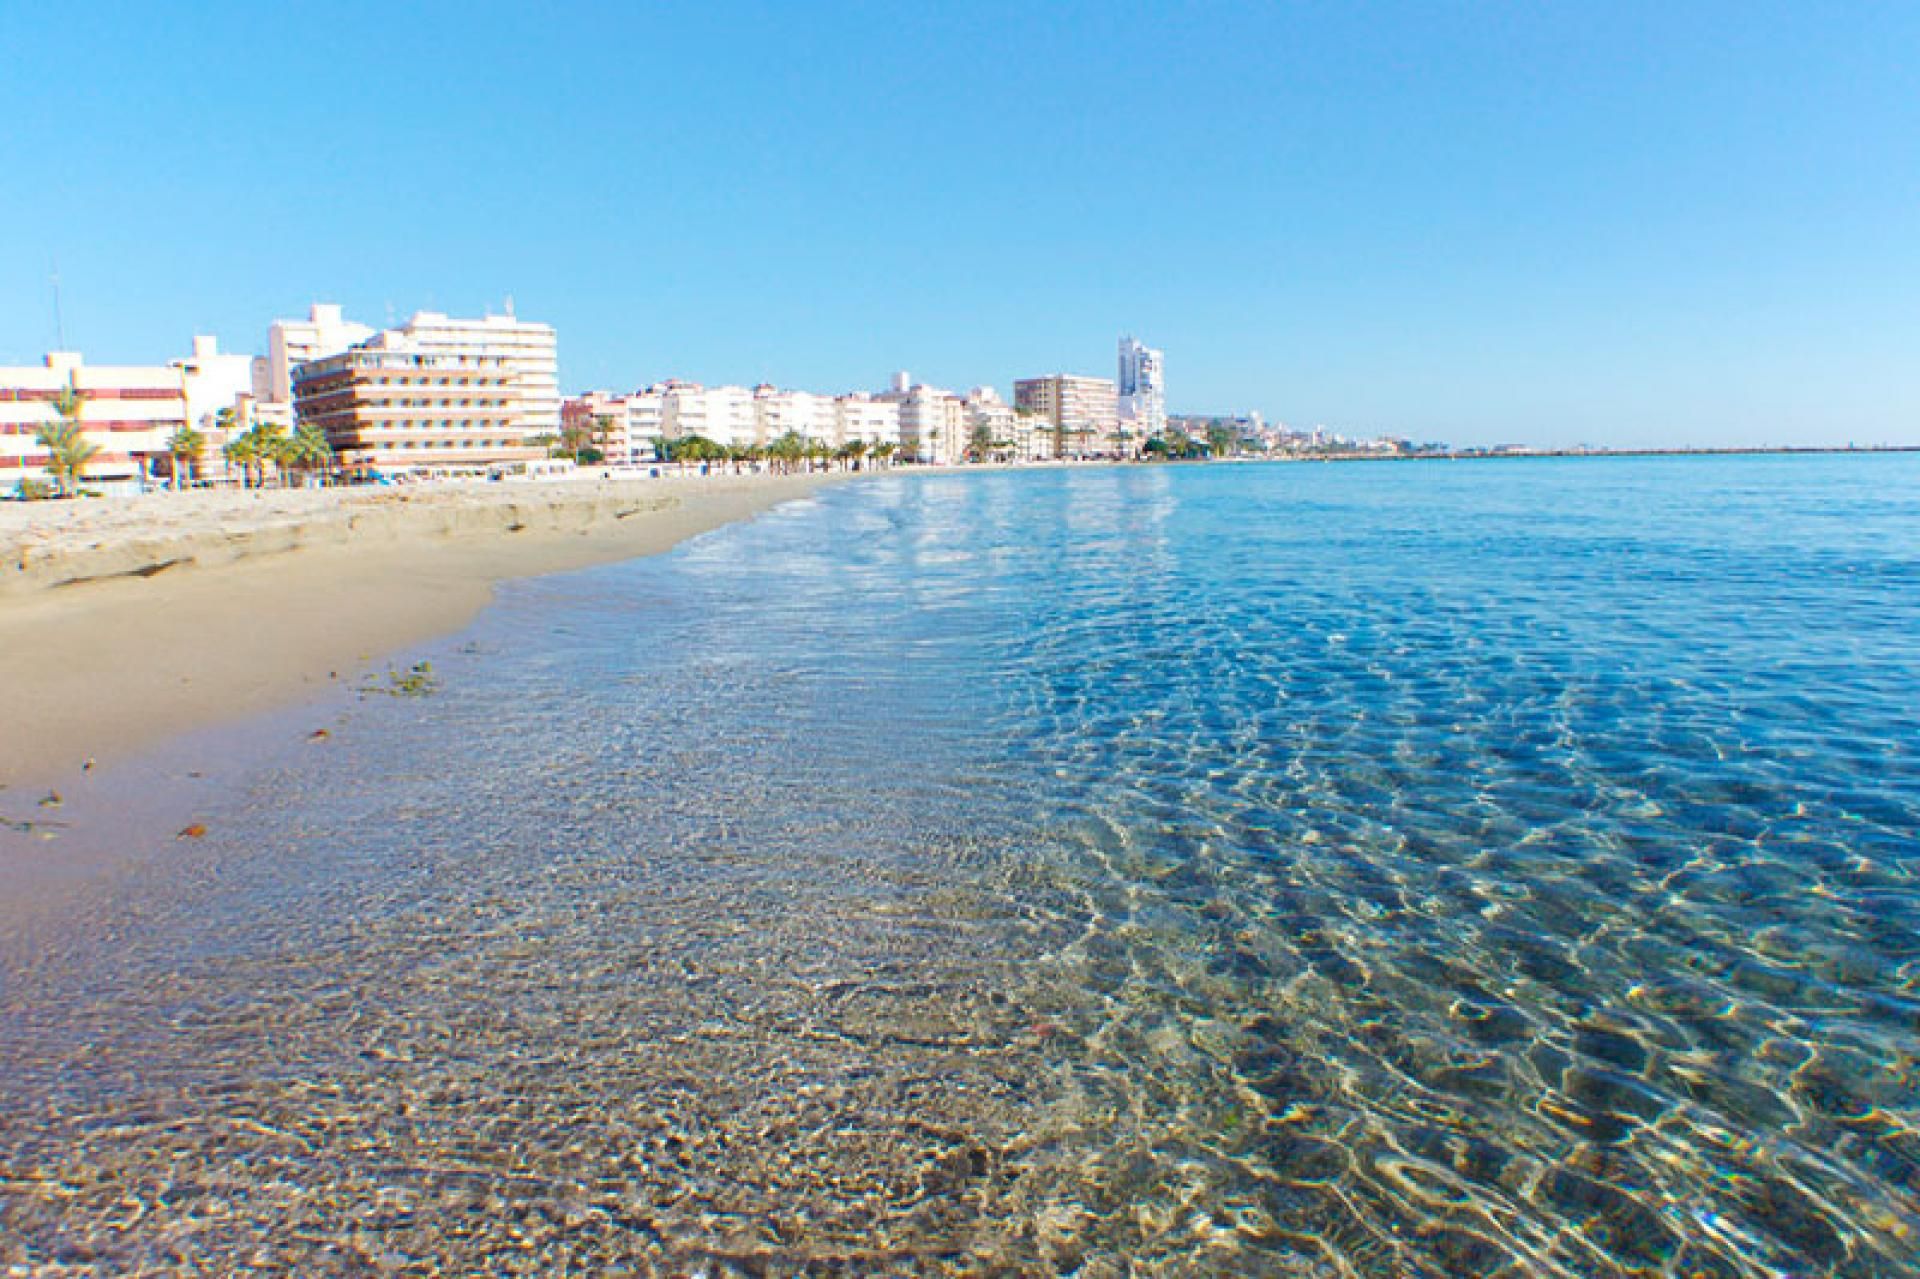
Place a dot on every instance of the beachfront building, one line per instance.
(1033, 437)
(1142, 391)
(933, 422)
(632, 432)
(291, 343)
(600, 419)
(866, 420)
(212, 381)
(530, 351)
(1083, 412)
(646, 425)
(389, 407)
(801, 413)
(128, 413)
(723, 414)
(992, 421)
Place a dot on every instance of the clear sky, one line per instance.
(1621, 223)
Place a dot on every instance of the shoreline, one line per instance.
(131, 623)
(126, 623)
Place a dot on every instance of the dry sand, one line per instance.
(126, 622)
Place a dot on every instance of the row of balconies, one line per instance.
(344, 440)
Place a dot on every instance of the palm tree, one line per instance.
(65, 440)
(787, 451)
(692, 448)
(268, 441)
(308, 449)
(980, 445)
(578, 442)
(244, 452)
(226, 427)
(187, 446)
(883, 452)
(270, 438)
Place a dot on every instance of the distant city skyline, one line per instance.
(1626, 226)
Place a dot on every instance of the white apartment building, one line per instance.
(730, 415)
(213, 381)
(635, 423)
(870, 421)
(646, 425)
(723, 414)
(933, 422)
(1142, 390)
(291, 343)
(988, 413)
(1018, 435)
(127, 412)
(530, 350)
(810, 416)
(1034, 439)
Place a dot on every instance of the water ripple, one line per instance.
(1426, 870)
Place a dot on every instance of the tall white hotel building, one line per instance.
(1143, 387)
(528, 351)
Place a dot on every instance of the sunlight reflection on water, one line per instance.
(1426, 869)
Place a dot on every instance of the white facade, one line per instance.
(646, 425)
(723, 414)
(1017, 435)
(127, 412)
(1142, 389)
(867, 420)
(213, 381)
(802, 413)
(989, 414)
(633, 424)
(530, 350)
(1034, 439)
(933, 422)
(291, 343)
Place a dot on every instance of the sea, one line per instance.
(1493, 868)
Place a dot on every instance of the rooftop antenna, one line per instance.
(59, 321)
(509, 306)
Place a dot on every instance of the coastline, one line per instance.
(129, 623)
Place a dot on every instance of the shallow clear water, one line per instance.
(1409, 869)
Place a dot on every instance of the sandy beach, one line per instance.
(126, 622)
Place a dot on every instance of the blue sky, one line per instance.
(1618, 223)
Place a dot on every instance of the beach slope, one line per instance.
(124, 623)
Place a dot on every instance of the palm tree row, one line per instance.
(785, 454)
(265, 444)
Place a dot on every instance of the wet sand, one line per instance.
(125, 623)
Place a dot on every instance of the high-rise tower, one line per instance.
(1143, 387)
